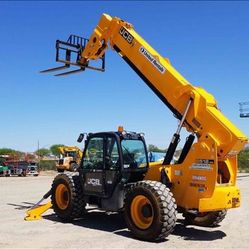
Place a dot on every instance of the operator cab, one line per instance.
(111, 158)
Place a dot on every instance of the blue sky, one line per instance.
(207, 43)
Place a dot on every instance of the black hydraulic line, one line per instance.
(165, 179)
(171, 150)
(189, 141)
(176, 138)
(42, 199)
(47, 194)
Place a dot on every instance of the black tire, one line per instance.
(60, 170)
(162, 210)
(69, 204)
(208, 219)
(73, 167)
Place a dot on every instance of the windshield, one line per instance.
(134, 154)
(70, 154)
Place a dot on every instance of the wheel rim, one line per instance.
(142, 212)
(62, 196)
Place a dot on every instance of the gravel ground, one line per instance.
(100, 230)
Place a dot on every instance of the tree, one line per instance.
(47, 165)
(154, 148)
(13, 154)
(243, 160)
(43, 152)
(55, 149)
(8, 151)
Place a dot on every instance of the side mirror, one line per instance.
(80, 138)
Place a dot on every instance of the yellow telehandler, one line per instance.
(70, 157)
(114, 172)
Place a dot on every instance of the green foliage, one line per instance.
(13, 154)
(43, 152)
(2, 160)
(243, 160)
(54, 149)
(153, 148)
(8, 151)
(47, 165)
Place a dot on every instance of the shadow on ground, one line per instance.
(242, 176)
(23, 206)
(114, 223)
(197, 233)
(99, 220)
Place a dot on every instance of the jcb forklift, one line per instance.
(114, 173)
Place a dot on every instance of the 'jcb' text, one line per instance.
(126, 35)
(94, 182)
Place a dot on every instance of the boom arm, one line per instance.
(203, 118)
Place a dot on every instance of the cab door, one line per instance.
(101, 165)
(93, 167)
(112, 164)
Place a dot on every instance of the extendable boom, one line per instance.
(204, 118)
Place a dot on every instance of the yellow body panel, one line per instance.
(207, 177)
(224, 197)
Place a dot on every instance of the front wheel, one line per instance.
(67, 196)
(150, 210)
(207, 219)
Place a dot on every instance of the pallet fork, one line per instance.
(35, 213)
(72, 49)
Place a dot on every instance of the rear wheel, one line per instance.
(150, 210)
(207, 219)
(67, 196)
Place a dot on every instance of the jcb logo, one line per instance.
(126, 35)
(94, 182)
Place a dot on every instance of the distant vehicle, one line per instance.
(4, 170)
(156, 156)
(18, 170)
(159, 157)
(32, 170)
(70, 158)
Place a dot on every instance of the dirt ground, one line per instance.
(100, 230)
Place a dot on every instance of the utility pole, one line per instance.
(38, 151)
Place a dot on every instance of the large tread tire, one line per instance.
(209, 219)
(163, 206)
(75, 204)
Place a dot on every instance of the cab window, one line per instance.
(94, 157)
(134, 154)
